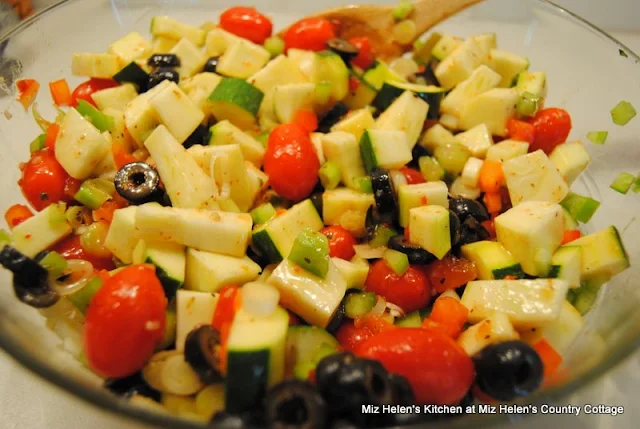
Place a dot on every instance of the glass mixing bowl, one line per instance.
(589, 73)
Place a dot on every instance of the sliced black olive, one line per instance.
(316, 199)
(473, 231)
(211, 65)
(34, 297)
(199, 137)
(429, 73)
(343, 48)
(164, 60)
(224, 420)
(201, 351)
(162, 74)
(464, 207)
(138, 183)
(383, 192)
(402, 391)
(337, 318)
(416, 153)
(416, 254)
(508, 370)
(30, 279)
(130, 386)
(295, 404)
(332, 117)
(455, 229)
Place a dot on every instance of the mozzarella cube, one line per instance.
(533, 177)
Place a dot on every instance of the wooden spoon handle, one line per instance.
(428, 13)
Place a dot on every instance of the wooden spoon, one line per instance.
(376, 22)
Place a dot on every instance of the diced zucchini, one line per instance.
(566, 264)
(279, 71)
(478, 140)
(330, 68)
(115, 98)
(306, 346)
(559, 333)
(398, 261)
(210, 272)
(422, 194)
(445, 46)
(177, 112)
(211, 231)
(571, 159)
(436, 136)
(384, 149)
(533, 177)
(532, 89)
(355, 123)
(163, 44)
(508, 65)
(41, 231)
(527, 303)
(452, 157)
(199, 87)
(603, 254)
(169, 27)
(225, 133)
(275, 238)
(130, 47)
(493, 108)
(493, 330)
(407, 113)
(218, 41)
(354, 272)
(313, 299)
(79, 147)
(532, 232)
(459, 189)
(492, 260)
(122, 237)
(460, 63)
(329, 175)
(359, 304)
(140, 117)
(411, 320)
(237, 101)
(96, 65)
(193, 309)
(372, 81)
(429, 228)
(242, 59)
(310, 251)
(481, 80)
(169, 260)
(487, 40)
(586, 296)
(192, 59)
(289, 98)
(263, 213)
(391, 91)
(342, 148)
(346, 208)
(506, 150)
(186, 184)
(581, 208)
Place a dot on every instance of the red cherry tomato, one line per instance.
(451, 273)
(246, 22)
(310, 34)
(291, 162)
(552, 128)
(85, 90)
(16, 214)
(307, 119)
(43, 180)
(365, 56)
(71, 248)
(438, 369)
(225, 308)
(521, 131)
(411, 291)
(412, 176)
(341, 242)
(125, 322)
(351, 337)
(571, 235)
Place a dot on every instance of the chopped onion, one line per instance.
(395, 311)
(75, 277)
(259, 299)
(378, 309)
(365, 251)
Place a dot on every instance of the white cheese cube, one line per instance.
(533, 177)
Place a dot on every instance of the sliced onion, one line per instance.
(259, 299)
(395, 311)
(365, 251)
(380, 307)
(76, 276)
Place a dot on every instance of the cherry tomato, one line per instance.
(351, 337)
(307, 119)
(552, 128)
(365, 56)
(412, 176)
(311, 34)
(521, 131)
(43, 180)
(71, 248)
(85, 90)
(571, 235)
(341, 242)
(226, 307)
(16, 214)
(291, 162)
(246, 22)
(411, 291)
(124, 322)
(438, 369)
(450, 314)
(451, 273)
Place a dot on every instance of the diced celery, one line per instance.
(528, 104)
(302, 369)
(382, 235)
(82, 298)
(54, 263)
(452, 157)
(623, 183)
(402, 10)
(5, 238)
(364, 184)
(431, 169)
(99, 120)
(330, 175)
(597, 137)
(398, 261)
(581, 208)
(623, 113)
(311, 251)
(37, 143)
(359, 304)
(57, 215)
(263, 213)
(91, 195)
(411, 320)
(274, 45)
(636, 185)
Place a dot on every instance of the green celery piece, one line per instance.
(636, 185)
(54, 263)
(381, 236)
(398, 261)
(38, 143)
(580, 207)
(623, 183)
(597, 137)
(402, 10)
(91, 196)
(263, 213)
(364, 184)
(623, 113)
(330, 175)
(82, 298)
(528, 104)
(99, 120)
(311, 251)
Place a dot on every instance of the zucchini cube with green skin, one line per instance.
(329, 67)
(388, 149)
(493, 261)
(193, 309)
(346, 208)
(354, 272)
(131, 47)
(446, 45)
(355, 123)
(571, 159)
(41, 231)
(310, 251)
(225, 133)
(566, 264)
(218, 41)
(96, 65)
(527, 303)
(532, 232)
(177, 112)
(506, 150)
(478, 140)
(170, 262)
(237, 101)
(192, 60)
(242, 59)
(493, 330)
(211, 231)
(275, 238)
(561, 332)
(115, 98)
(174, 29)
(140, 117)
(460, 64)
(429, 228)
(210, 272)
(603, 254)
(482, 79)
(122, 236)
(289, 98)
(533, 177)
(421, 194)
(312, 298)
(507, 65)
(342, 148)
(185, 182)
(79, 147)
(407, 113)
(437, 136)
(199, 87)
(493, 108)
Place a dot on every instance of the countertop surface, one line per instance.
(28, 402)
